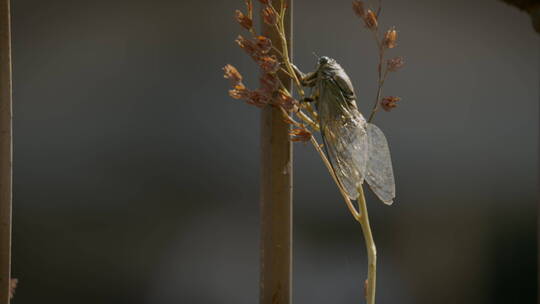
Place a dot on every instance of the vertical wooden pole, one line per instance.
(276, 192)
(5, 151)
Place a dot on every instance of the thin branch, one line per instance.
(350, 205)
(381, 76)
(378, 97)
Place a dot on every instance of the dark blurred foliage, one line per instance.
(530, 6)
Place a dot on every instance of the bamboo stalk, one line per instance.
(276, 192)
(5, 152)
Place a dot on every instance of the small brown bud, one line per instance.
(287, 102)
(264, 44)
(244, 20)
(239, 91)
(265, 2)
(370, 20)
(269, 16)
(390, 38)
(302, 135)
(358, 8)
(390, 102)
(258, 98)
(232, 74)
(269, 83)
(269, 64)
(395, 64)
(248, 46)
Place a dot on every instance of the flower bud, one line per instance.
(258, 98)
(264, 44)
(269, 83)
(287, 102)
(244, 20)
(232, 74)
(269, 16)
(389, 102)
(239, 91)
(248, 46)
(390, 38)
(395, 64)
(358, 8)
(269, 64)
(370, 19)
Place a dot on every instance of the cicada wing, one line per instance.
(344, 136)
(346, 147)
(380, 175)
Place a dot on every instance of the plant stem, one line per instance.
(370, 247)
(363, 218)
(350, 205)
(378, 97)
(280, 27)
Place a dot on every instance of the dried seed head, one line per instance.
(248, 46)
(239, 91)
(269, 16)
(265, 2)
(287, 102)
(302, 135)
(370, 20)
(244, 20)
(395, 64)
(232, 74)
(269, 64)
(390, 38)
(358, 8)
(269, 83)
(258, 98)
(390, 102)
(264, 44)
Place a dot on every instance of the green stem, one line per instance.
(370, 247)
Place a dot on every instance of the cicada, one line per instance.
(357, 149)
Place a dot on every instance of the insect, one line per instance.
(357, 149)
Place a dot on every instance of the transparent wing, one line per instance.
(380, 175)
(343, 130)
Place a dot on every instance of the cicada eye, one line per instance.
(323, 60)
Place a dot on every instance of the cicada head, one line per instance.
(325, 61)
(327, 66)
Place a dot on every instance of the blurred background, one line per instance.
(136, 176)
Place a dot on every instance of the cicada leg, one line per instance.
(306, 80)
